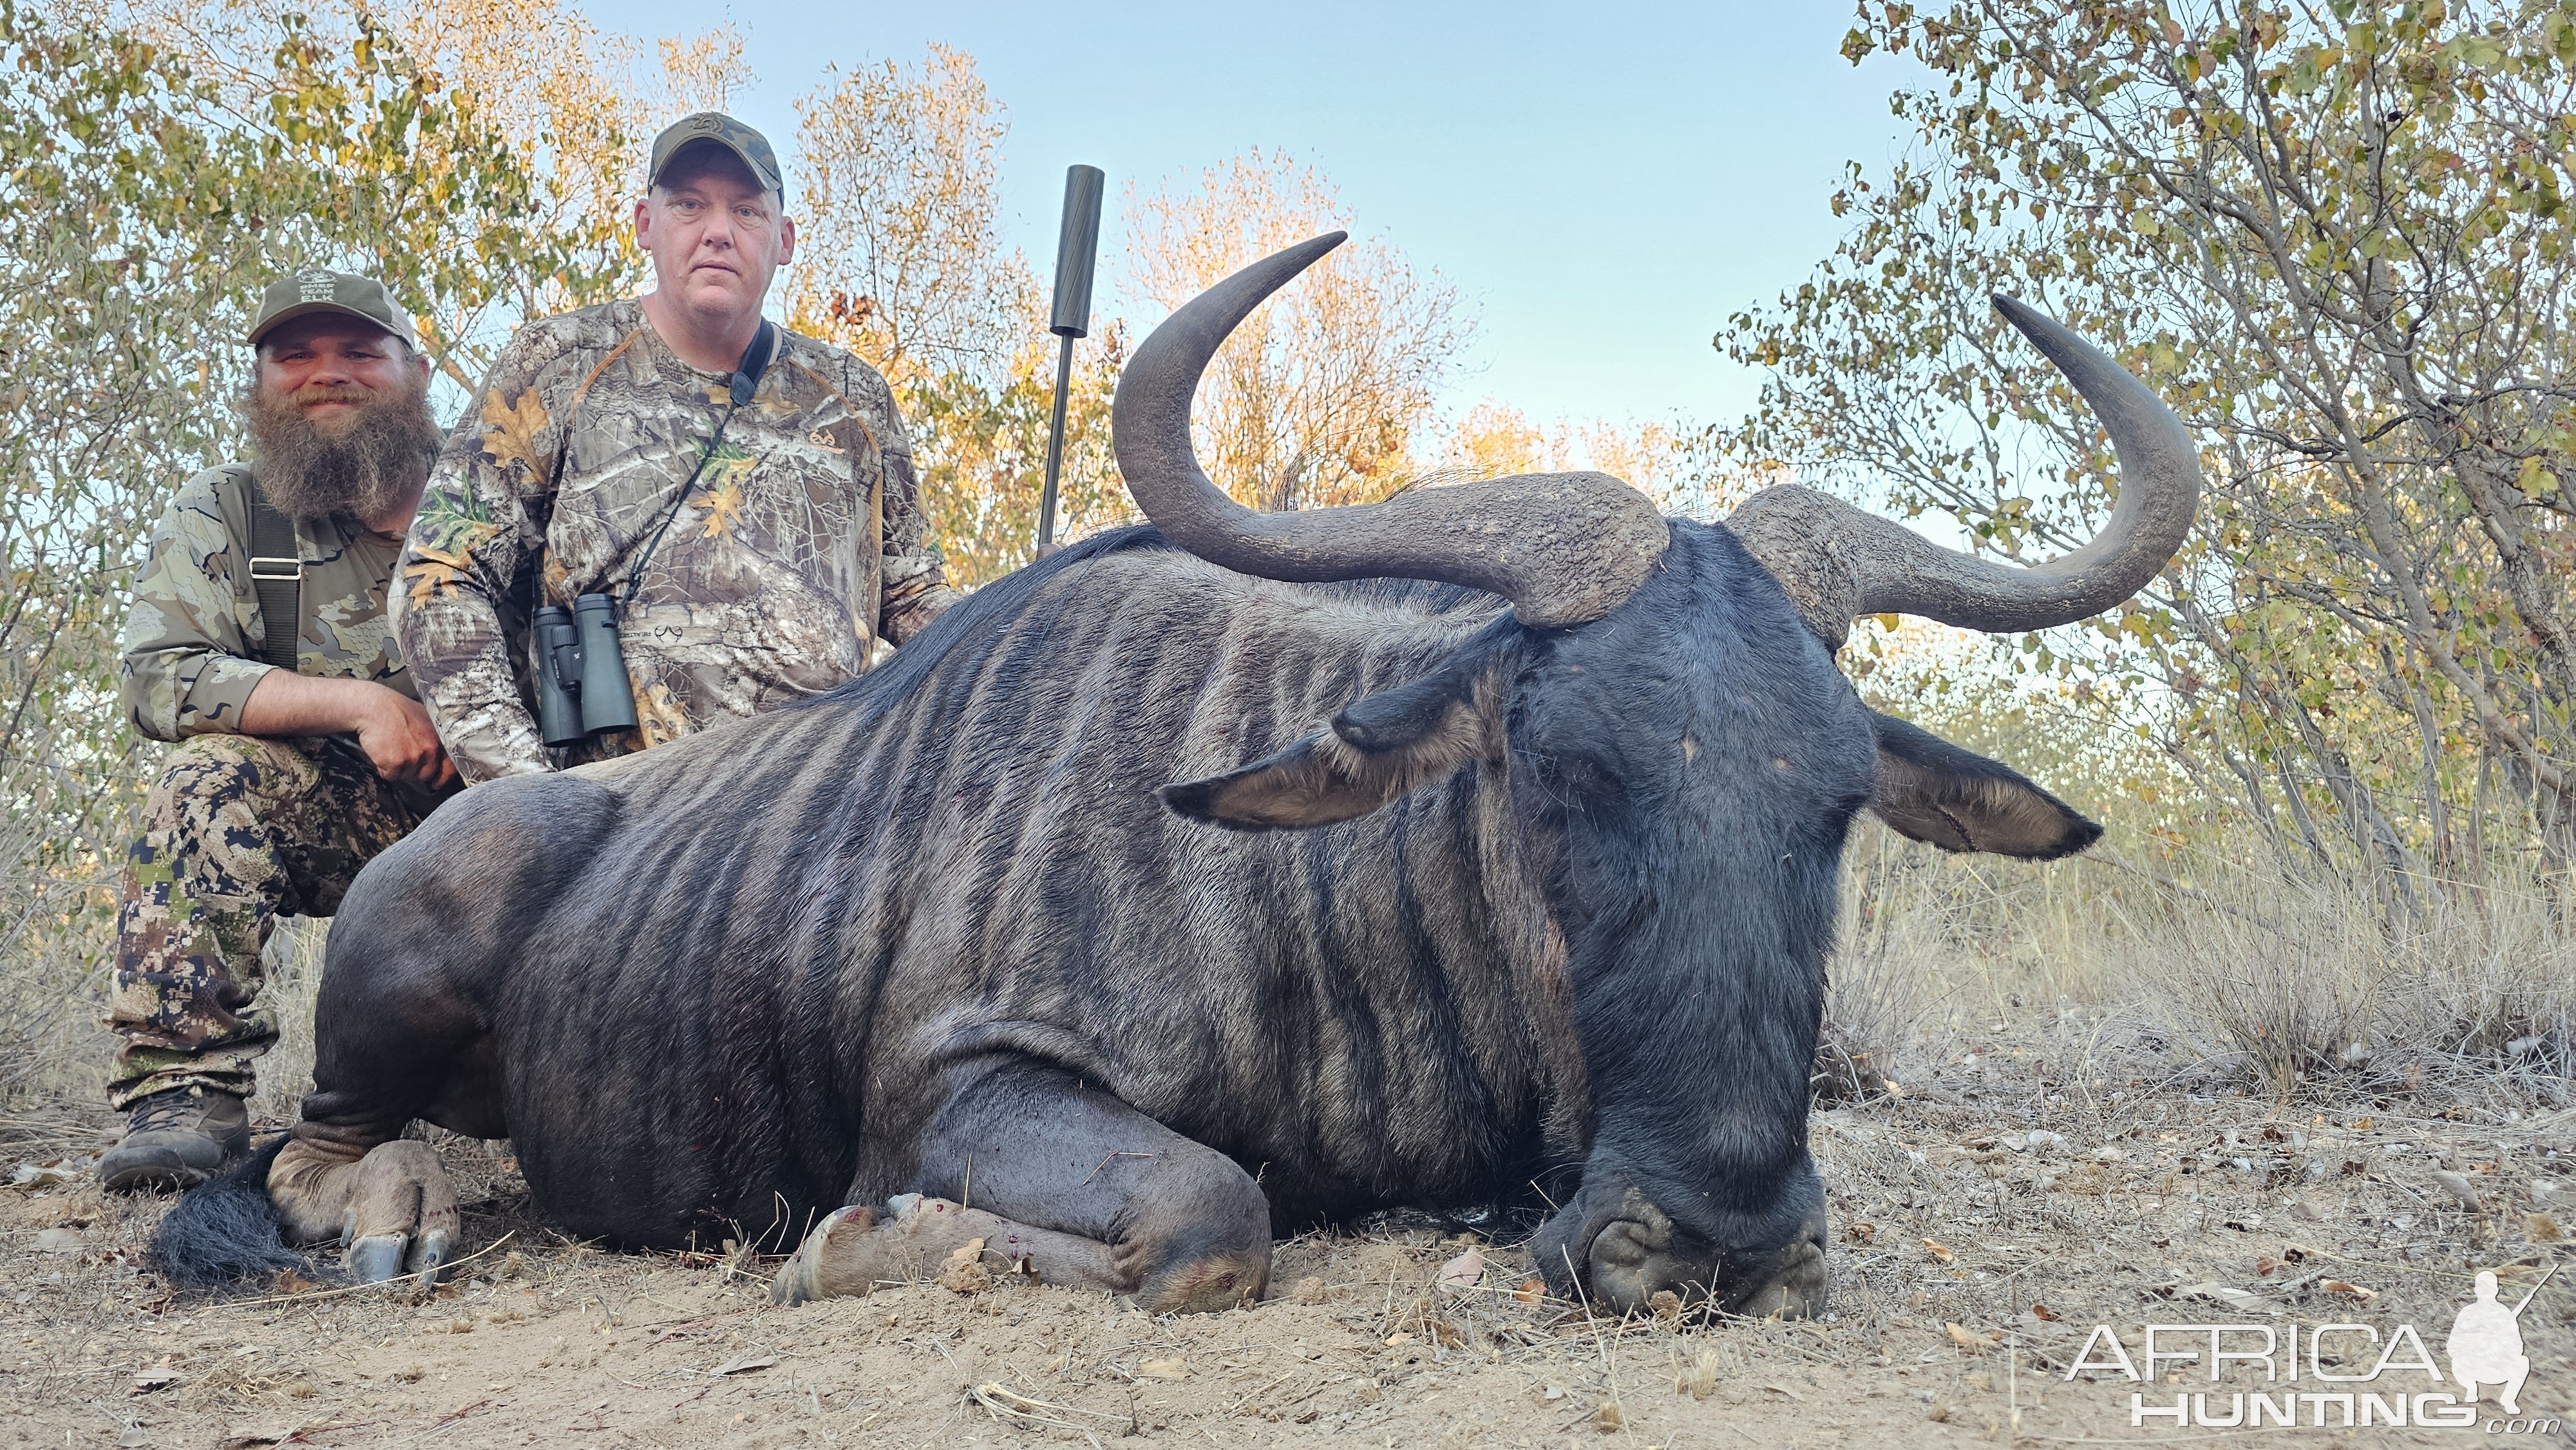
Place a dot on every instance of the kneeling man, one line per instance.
(259, 643)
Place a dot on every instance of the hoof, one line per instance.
(394, 1208)
(810, 1274)
(374, 1259)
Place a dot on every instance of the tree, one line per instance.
(1316, 398)
(574, 116)
(2333, 237)
(162, 172)
(1495, 439)
(902, 262)
(1316, 401)
(982, 446)
(127, 227)
(579, 111)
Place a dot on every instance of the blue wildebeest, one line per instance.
(1504, 847)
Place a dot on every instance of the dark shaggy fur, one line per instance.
(1568, 915)
(224, 1231)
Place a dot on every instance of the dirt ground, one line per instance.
(1985, 1221)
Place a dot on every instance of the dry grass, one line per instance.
(2211, 971)
(53, 976)
(2307, 982)
(294, 964)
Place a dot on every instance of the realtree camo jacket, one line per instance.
(193, 640)
(796, 550)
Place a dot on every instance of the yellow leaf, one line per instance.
(1967, 1338)
(428, 579)
(724, 510)
(441, 556)
(1940, 1252)
(510, 434)
(659, 720)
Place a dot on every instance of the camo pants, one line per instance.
(238, 831)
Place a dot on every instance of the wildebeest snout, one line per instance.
(1619, 1253)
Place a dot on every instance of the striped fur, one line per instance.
(730, 980)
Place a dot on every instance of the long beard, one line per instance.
(367, 464)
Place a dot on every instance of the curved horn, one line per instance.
(1564, 548)
(1838, 562)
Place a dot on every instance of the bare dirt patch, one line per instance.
(1986, 1222)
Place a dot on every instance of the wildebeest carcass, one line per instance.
(1503, 859)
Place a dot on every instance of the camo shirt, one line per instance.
(192, 646)
(797, 549)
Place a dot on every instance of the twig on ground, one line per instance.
(321, 1294)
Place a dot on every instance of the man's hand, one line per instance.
(391, 727)
(402, 744)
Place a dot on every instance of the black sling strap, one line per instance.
(746, 382)
(277, 577)
(765, 346)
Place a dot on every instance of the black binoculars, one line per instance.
(582, 689)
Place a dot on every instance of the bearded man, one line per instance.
(259, 643)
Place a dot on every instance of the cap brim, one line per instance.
(307, 309)
(749, 163)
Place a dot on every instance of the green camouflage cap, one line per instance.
(726, 132)
(301, 294)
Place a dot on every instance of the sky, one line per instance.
(1603, 183)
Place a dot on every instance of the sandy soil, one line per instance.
(1973, 1260)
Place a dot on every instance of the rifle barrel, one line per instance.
(2535, 1291)
(1077, 245)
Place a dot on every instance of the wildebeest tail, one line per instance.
(225, 1230)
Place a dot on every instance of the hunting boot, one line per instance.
(176, 1139)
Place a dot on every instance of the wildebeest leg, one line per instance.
(1096, 1193)
(855, 1250)
(403, 1026)
(393, 1040)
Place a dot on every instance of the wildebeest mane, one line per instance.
(1010, 596)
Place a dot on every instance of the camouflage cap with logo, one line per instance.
(301, 294)
(724, 131)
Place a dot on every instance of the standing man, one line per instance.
(259, 643)
(758, 538)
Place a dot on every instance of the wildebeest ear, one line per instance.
(1933, 791)
(1376, 749)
